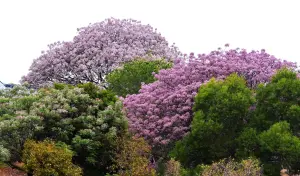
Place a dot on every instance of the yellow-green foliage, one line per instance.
(47, 159)
(249, 167)
(133, 158)
(173, 168)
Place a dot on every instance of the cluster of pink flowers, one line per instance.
(162, 111)
(96, 51)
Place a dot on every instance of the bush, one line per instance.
(249, 167)
(14, 132)
(15, 101)
(48, 159)
(173, 168)
(4, 154)
(133, 158)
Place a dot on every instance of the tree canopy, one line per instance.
(229, 123)
(162, 111)
(96, 51)
(49, 159)
(118, 100)
(220, 112)
(130, 77)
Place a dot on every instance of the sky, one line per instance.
(199, 26)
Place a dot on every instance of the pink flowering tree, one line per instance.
(96, 51)
(162, 111)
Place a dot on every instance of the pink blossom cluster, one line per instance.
(162, 111)
(96, 51)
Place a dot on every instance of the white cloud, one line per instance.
(194, 25)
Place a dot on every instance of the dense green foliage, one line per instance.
(129, 78)
(15, 131)
(279, 148)
(228, 122)
(279, 100)
(4, 154)
(89, 125)
(85, 117)
(220, 113)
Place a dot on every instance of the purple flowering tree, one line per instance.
(162, 111)
(96, 51)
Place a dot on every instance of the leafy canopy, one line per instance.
(47, 158)
(220, 112)
(15, 131)
(87, 118)
(279, 148)
(228, 123)
(279, 100)
(129, 78)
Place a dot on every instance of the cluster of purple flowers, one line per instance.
(162, 111)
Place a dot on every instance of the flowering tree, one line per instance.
(96, 51)
(87, 118)
(162, 111)
(89, 125)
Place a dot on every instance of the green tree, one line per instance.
(17, 91)
(15, 101)
(279, 149)
(87, 118)
(247, 144)
(6, 110)
(14, 132)
(129, 78)
(221, 111)
(49, 159)
(279, 100)
(95, 144)
(276, 123)
(24, 102)
(107, 96)
(4, 154)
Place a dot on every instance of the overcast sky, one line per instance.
(28, 26)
